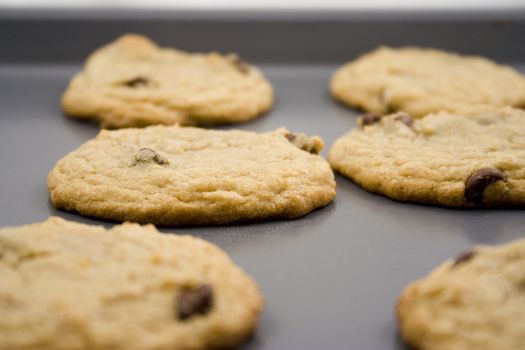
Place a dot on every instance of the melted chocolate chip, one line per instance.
(241, 65)
(147, 155)
(477, 181)
(463, 257)
(136, 82)
(405, 119)
(196, 301)
(370, 118)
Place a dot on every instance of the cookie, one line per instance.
(170, 175)
(72, 286)
(465, 159)
(472, 302)
(133, 82)
(422, 81)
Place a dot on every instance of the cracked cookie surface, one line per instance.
(422, 81)
(133, 82)
(472, 302)
(70, 286)
(170, 175)
(466, 159)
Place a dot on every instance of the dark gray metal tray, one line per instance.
(331, 278)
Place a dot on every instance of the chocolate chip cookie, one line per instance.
(133, 82)
(472, 302)
(66, 285)
(463, 159)
(422, 81)
(171, 175)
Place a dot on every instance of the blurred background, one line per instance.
(275, 4)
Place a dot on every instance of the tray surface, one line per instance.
(331, 278)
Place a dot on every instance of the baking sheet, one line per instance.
(331, 278)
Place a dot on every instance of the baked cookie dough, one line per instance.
(465, 159)
(422, 81)
(171, 175)
(133, 82)
(68, 286)
(472, 302)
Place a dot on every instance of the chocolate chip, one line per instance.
(196, 301)
(370, 118)
(136, 82)
(147, 155)
(477, 181)
(465, 256)
(405, 119)
(291, 136)
(241, 64)
(312, 144)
